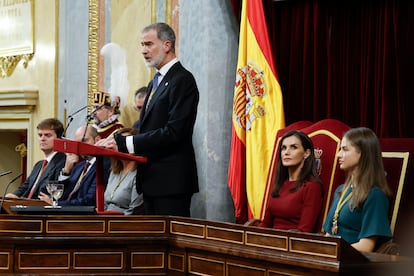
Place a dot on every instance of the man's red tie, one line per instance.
(44, 165)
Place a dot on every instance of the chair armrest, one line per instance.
(390, 248)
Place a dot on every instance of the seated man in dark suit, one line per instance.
(79, 174)
(46, 169)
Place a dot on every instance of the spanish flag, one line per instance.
(257, 115)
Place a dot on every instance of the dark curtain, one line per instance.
(236, 5)
(346, 60)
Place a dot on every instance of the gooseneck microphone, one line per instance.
(70, 118)
(89, 117)
(5, 173)
(7, 187)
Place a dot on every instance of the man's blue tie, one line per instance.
(154, 87)
(155, 81)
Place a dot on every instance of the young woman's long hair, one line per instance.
(370, 170)
(308, 171)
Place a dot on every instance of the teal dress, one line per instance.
(368, 221)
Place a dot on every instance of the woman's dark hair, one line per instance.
(308, 171)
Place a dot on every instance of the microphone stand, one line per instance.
(89, 117)
(5, 173)
(70, 118)
(86, 128)
(7, 187)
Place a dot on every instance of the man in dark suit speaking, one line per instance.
(169, 178)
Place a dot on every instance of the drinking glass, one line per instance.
(55, 189)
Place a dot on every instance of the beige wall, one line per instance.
(10, 159)
(29, 94)
(128, 18)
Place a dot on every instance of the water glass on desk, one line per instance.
(55, 189)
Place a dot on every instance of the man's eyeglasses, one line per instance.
(97, 108)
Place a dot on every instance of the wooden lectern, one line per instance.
(80, 148)
(8, 203)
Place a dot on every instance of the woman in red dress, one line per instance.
(297, 195)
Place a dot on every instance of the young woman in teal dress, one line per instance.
(359, 210)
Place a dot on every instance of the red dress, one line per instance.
(294, 210)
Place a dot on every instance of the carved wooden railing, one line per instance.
(161, 245)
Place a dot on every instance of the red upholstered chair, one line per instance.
(398, 154)
(269, 185)
(326, 136)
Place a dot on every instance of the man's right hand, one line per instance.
(71, 160)
(108, 143)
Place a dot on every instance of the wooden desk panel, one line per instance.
(8, 202)
(171, 246)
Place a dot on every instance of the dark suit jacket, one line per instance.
(136, 124)
(86, 194)
(51, 172)
(166, 130)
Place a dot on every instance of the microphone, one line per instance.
(7, 187)
(77, 111)
(89, 117)
(70, 118)
(5, 173)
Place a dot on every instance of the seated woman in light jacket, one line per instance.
(121, 193)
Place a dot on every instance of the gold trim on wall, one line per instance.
(168, 13)
(153, 11)
(12, 55)
(93, 50)
(8, 64)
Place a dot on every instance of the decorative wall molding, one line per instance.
(25, 100)
(9, 63)
(93, 60)
(17, 35)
